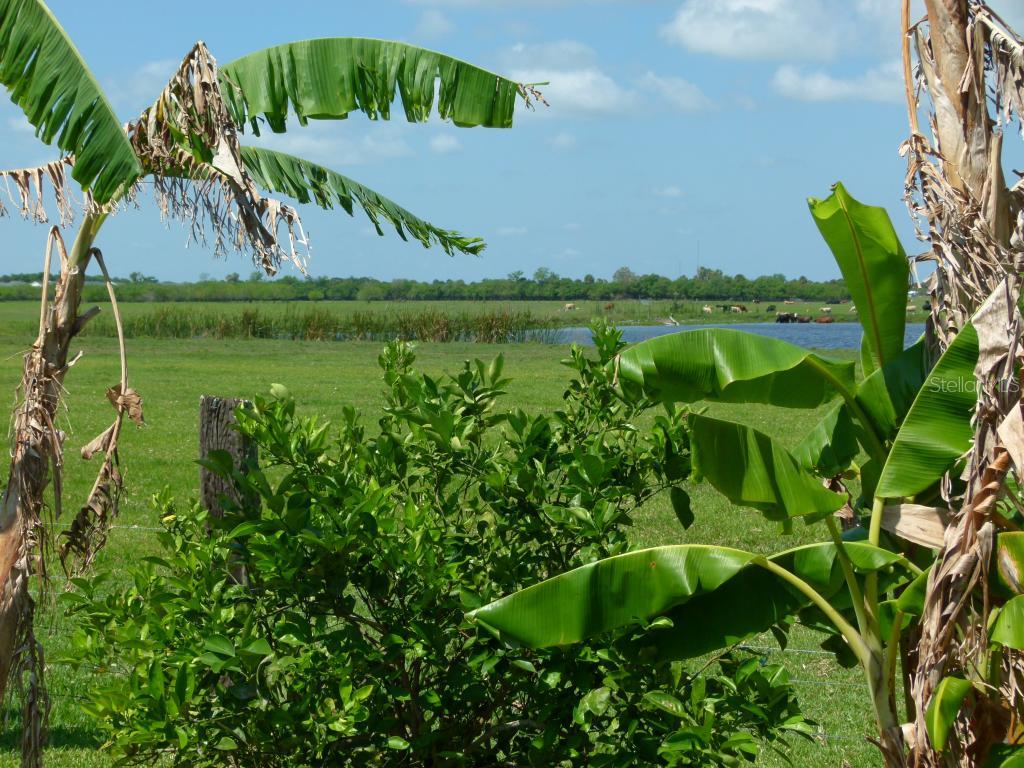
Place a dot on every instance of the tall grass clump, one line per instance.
(317, 324)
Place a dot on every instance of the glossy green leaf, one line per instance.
(887, 394)
(328, 78)
(610, 593)
(943, 708)
(1008, 629)
(1008, 573)
(750, 468)
(874, 267)
(681, 506)
(937, 430)
(49, 80)
(1005, 756)
(831, 446)
(638, 586)
(666, 702)
(755, 600)
(308, 182)
(730, 366)
(911, 601)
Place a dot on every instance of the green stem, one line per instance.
(851, 580)
(853, 637)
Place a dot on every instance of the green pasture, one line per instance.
(172, 374)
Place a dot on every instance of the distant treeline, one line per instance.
(544, 284)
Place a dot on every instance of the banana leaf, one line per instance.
(309, 182)
(639, 586)
(937, 430)
(730, 366)
(49, 80)
(328, 78)
(831, 446)
(1008, 629)
(943, 709)
(751, 469)
(887, 394)
(874, 267)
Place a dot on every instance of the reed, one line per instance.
(316, 324)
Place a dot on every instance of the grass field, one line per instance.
(172, 374)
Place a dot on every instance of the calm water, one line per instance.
(814, 335)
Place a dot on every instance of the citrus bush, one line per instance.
(322, 620)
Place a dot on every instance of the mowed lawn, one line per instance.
(171, 375)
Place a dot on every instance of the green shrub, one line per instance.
(359, 553)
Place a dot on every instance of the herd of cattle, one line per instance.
(825, 315)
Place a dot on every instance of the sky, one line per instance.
(679, 133)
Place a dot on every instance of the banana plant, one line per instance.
(899, 432)
(187, 146)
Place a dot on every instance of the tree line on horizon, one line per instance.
(544, 284)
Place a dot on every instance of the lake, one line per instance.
(813, 335)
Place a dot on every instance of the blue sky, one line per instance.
(677, 130)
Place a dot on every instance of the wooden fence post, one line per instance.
(217, 432)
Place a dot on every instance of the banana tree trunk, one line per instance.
(36, 446)
(970, 213)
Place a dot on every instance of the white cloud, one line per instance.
(563, 140)
(669, 191)
(135, 92)
(578, 91)
(444, 143)
(331, 145)
(756, 29)
(679, 93)
(576, 85)
(882, 83)
(523, 3)
(512, 231)
(433, 25)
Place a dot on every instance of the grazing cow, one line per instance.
(825, 310)
(609, 306)
(569, 307)
(785, 317)
(911, 307)
(735, 309)
(770, 308)
(789, 301)
(707, 310)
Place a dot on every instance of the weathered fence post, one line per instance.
(217, 433)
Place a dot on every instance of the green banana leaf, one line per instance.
(947, 698)
(327, 78)
(1008, 571)
(937, 430)
(309, 182)
(755, 600)
(730, 366)
(751, 469)
(831, 446)
(638, 586)
(49, 80)
(886, 395)
(874, 267)
(1008, 629)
